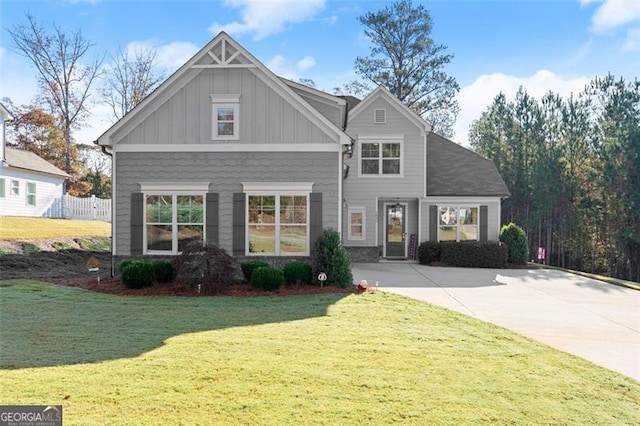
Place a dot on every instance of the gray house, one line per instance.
(227, 152)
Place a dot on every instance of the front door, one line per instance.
(395, 231)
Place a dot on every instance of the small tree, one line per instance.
(331, 258)
(206, 265)
(516, 240)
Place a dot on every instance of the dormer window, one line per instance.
(226, 117)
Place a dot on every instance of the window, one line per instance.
(356, 223)
(31, 193)
(15, 187)
(172, 221)
(2, 187)
(226, 110)
(278, 224)
(458, 224)
(380, 159)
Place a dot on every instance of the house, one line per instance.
(227, 152)
(29, 185)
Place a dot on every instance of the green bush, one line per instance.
(428, 252)
(125, 263)
(163, 270)
(267, 278)
(137, 274)
(297, 273)
(516, 240)
(331, 258)
(474, 254)
(248, 266)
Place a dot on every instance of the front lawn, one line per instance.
(374, 358)
(31, 228)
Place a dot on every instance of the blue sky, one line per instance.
(541, 45)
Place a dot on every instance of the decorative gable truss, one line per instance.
(224, 55)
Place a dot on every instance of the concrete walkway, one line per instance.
(591, 319)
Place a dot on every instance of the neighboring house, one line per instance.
(29, 185)
(226, 151)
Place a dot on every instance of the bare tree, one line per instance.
(129, 78)
(64, 81)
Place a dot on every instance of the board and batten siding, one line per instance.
(183, 113)
(363, 191)
(333, 113)
(224, 172)
(492, 214)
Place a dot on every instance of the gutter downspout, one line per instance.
(105, 151)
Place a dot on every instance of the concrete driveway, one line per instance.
(591, 319)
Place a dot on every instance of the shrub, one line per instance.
(428, 252)
(137, 274)
(331, 258)
(207, 265)
(297, 273)
(163, 270)
(125, 263)
(267, 278)
(248, 266)
(516, 240)
(474, 254)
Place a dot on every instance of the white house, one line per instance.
(29, 185)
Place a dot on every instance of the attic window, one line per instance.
(226, 120)
(379, 116)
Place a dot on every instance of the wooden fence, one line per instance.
(90, 208)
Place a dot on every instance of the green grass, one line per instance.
(331, 359)
(30, 228)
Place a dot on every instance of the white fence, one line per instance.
(90, 208)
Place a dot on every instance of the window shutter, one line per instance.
(239, 200)
(379, 116)
(433, 223)
(315, 217)
(211, 220)
(483, 223)
(137, 223)
(2, 184)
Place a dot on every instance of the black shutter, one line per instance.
(315, 217)
(211, 220)
(137, 223)
(483, 223)
(433, 223)
(238, 223)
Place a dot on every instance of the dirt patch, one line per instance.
(52, 264)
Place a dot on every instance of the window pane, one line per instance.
(15, 187)
(293, 239)
(370, 167)
(390, 167)
(468, 216)
(391, 150)
(262, 239)
(262, 209)
(356, 231)
(448, 216)
(159, 208)
(159, 237)
(190, 208)
(225, 129)
(188, 234)
(293, 209)
(448, 233)
(468, 233)
(225, 114)
(370, 150)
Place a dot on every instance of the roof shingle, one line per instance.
(29, 161)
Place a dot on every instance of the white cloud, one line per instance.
(632, 44)
(306, 63)
(478, 96)
(613, 14)
(170, 56)
(264, 18)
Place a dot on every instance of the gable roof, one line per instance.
(224, 52)
(19, 159)
(453, 170)
(383, 92)
(4, 112)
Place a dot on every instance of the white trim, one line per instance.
(27, 193)
(174, 187)
(340, 193)
(460, 200)
(236, 121)
(113, 212)
(231, 147)
(322, 96)
(363, 211)
(383, 111)
(381, 140)
(457, 207)
(217, 98)
(287, 188)
(205, 66)
(11, 187)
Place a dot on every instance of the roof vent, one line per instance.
(379, 116)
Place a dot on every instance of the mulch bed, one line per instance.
(113, 285)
